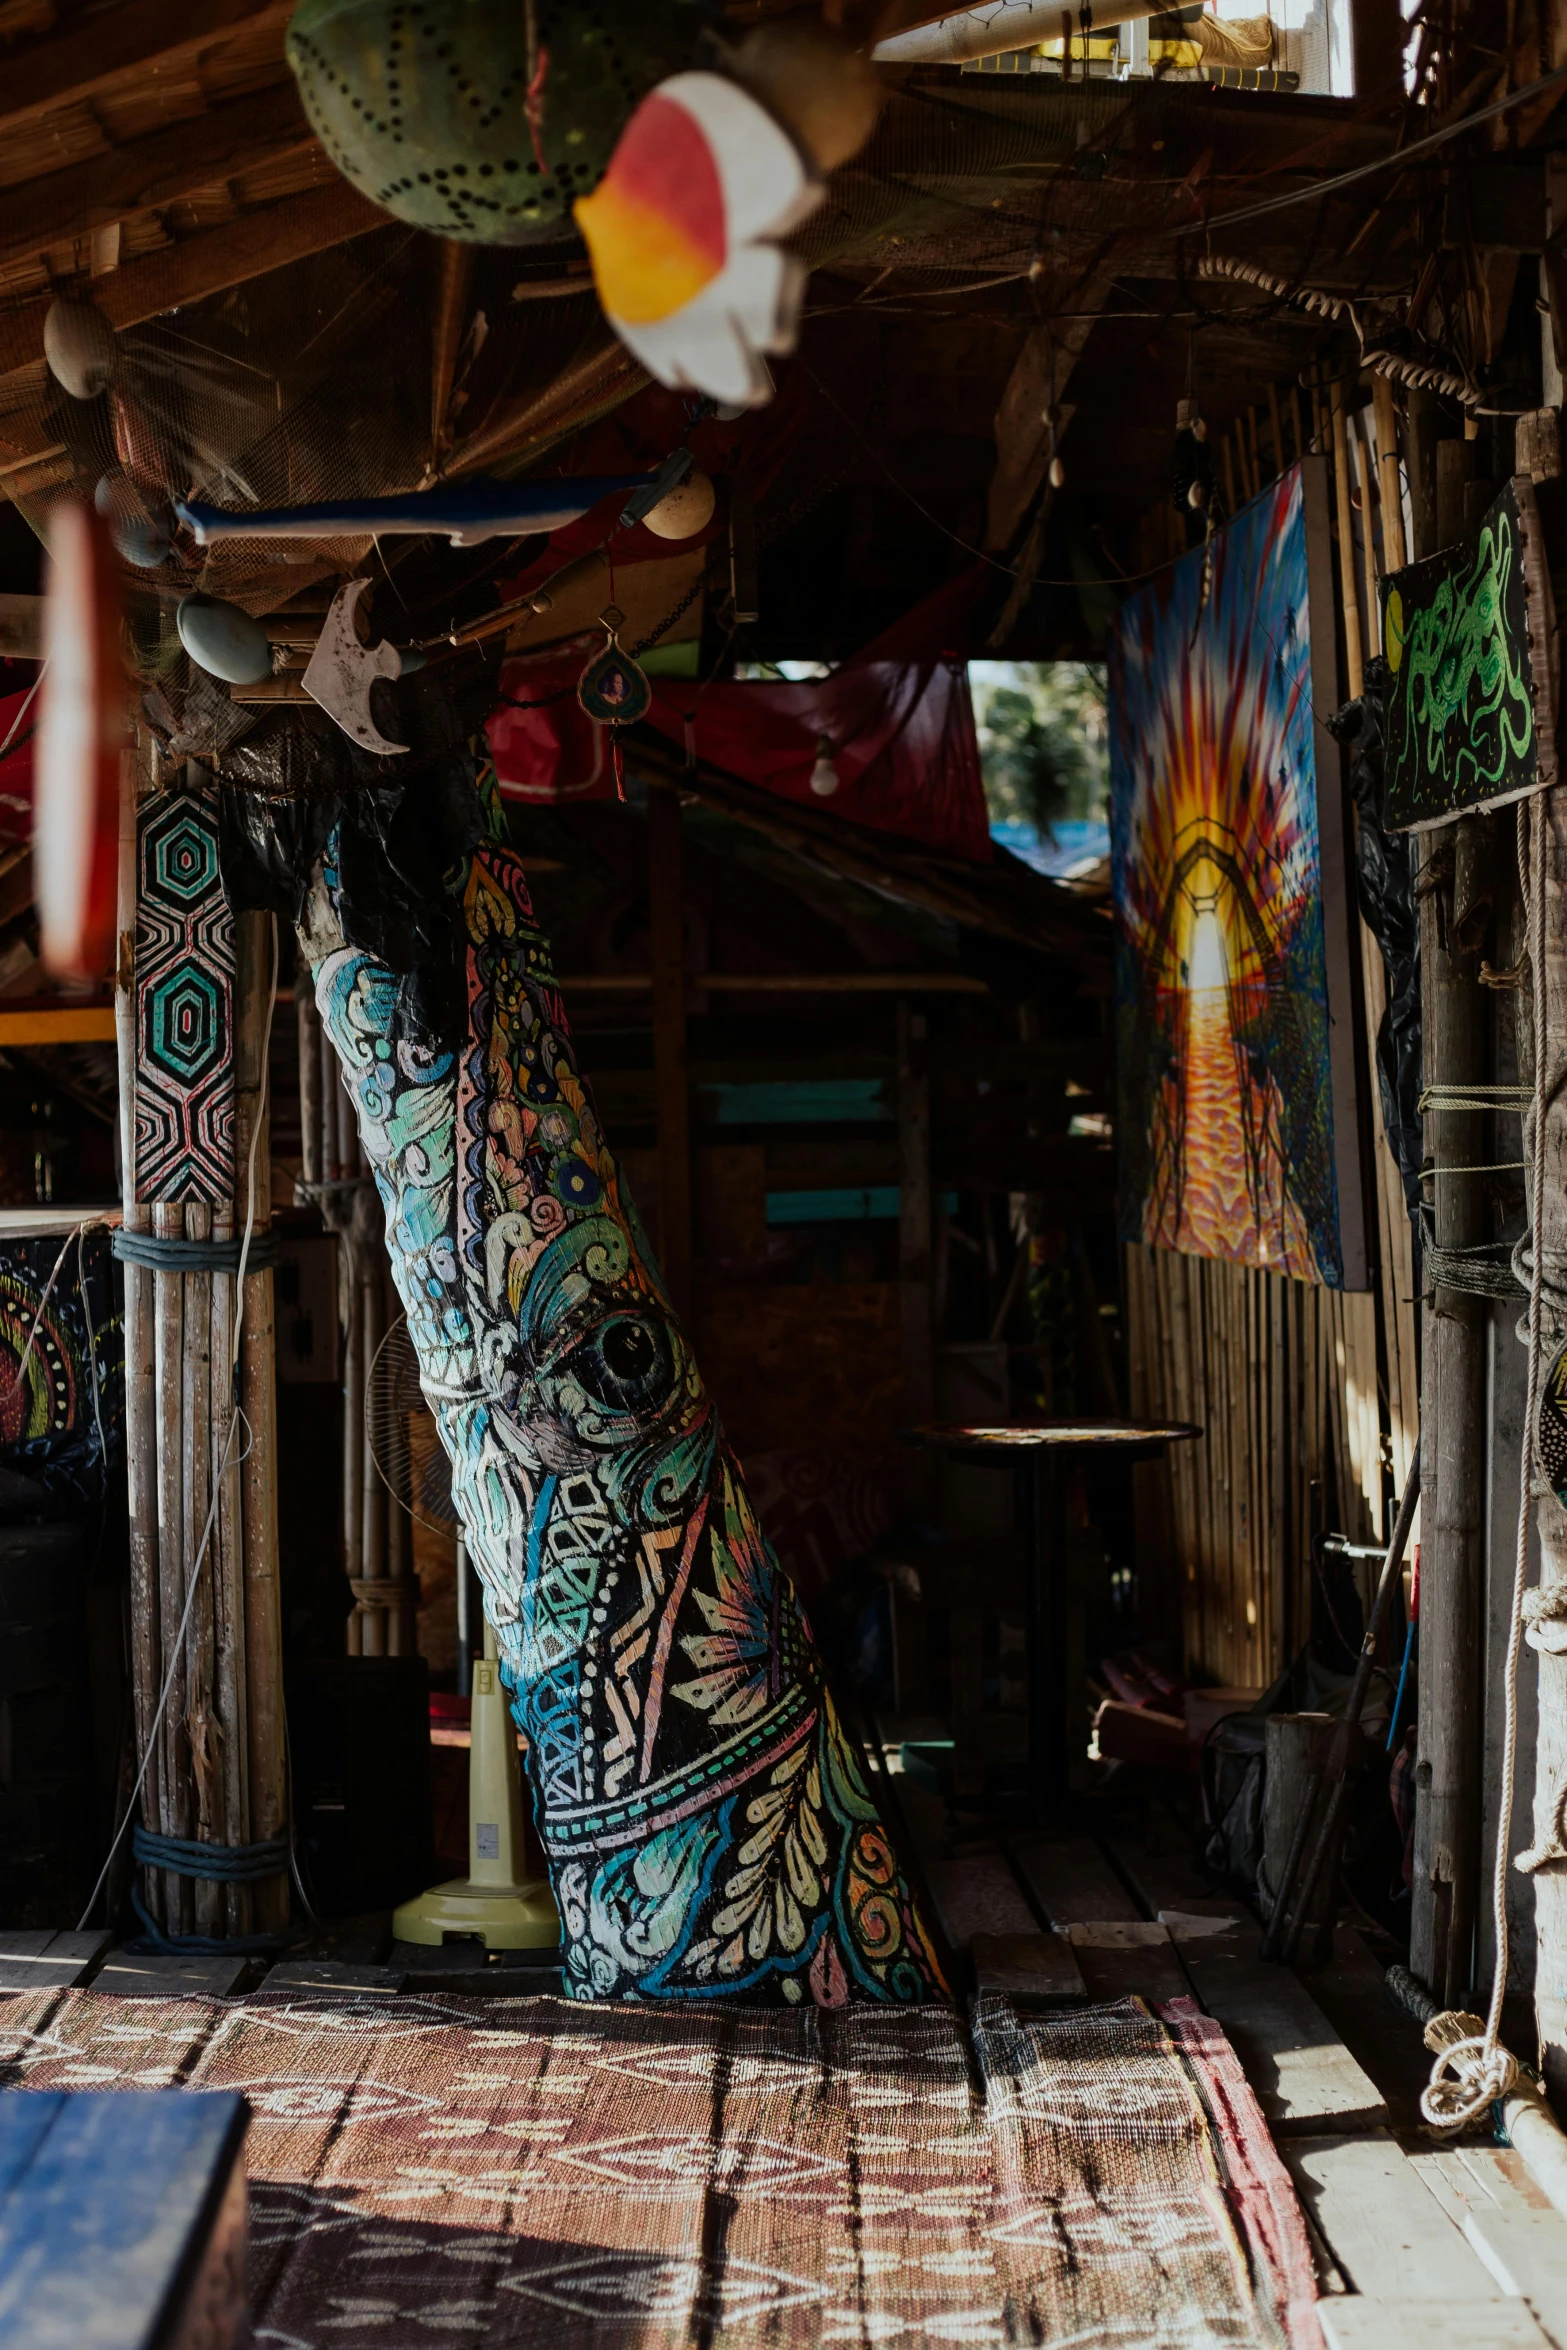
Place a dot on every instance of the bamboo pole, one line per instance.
(1368, 536)
(228, 1581)
(168, 1304)
(372, 1555)
(141, 1435)
(1353, 662)
(202, 1728)
(308, 1024)
(1384, 416)
(363, 1633)
(265, 1727)
(399, 1548)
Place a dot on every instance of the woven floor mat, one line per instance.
(524, 2172)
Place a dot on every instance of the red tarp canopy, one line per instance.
(897, 717)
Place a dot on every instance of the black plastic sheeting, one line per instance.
(1384, 874)
(394, 834)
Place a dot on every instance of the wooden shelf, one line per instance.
(57, 1024)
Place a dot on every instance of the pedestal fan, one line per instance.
(497, 1903)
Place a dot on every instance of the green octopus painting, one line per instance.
(705, 1818)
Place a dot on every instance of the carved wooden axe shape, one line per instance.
(341, 671)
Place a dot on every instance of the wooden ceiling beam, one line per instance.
(142, 38)
(170, 164)
(271, 237)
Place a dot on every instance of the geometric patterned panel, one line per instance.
(184, 1004)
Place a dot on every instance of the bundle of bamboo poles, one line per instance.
(216, 1770)
(377, 1552)
(1281, 1377)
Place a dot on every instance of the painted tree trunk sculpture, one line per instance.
(707, 1827)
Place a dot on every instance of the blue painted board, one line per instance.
(875, 1203)
(805, 1101)
(106, 2202)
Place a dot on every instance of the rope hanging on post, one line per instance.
(1472, 2068)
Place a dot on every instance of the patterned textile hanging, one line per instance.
(184, 1004)
(707, 1827)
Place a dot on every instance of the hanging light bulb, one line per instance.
(824, 775)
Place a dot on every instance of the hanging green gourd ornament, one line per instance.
(487, 120)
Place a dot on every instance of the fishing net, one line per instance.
(374, 358)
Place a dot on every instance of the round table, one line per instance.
(1035, 1448)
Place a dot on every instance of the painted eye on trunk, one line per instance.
(627, 1363)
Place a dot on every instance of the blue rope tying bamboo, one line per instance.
(166, 1253)
(218, 1864)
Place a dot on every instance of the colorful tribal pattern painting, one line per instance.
(1226, 1100)
(184, 1005)
(62, 1366)
(706, 1823)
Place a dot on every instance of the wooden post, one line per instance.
(454, 272)
(667, 947)
(1543, 455)
(914, 1215)
(1550, 1884)
(1453, 1410)
(1377, 35)
(1420, 430)
(266, 1735)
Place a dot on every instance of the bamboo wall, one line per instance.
(1300, 1392)
(1281, 1378)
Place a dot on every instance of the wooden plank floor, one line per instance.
(38, 1959)
(1418, 2248)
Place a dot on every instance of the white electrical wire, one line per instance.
(236, 1422)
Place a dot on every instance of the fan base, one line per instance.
(502, 1917)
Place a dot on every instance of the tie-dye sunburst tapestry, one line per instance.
(1237, 1128)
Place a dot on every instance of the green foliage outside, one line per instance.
(1044, 741)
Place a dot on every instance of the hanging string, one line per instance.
(1472, 2070)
